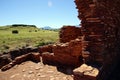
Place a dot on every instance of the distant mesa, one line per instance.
(23, 25)
(47, 28)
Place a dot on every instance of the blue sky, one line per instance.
(54, 13)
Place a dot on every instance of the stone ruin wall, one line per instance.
(68, 33)
(7, 57)
(92, 29)
(111, 13)
(78, 45)
(97, 41)
(100, 20)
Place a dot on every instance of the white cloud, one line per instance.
(50, 3)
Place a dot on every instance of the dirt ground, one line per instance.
(35, 71)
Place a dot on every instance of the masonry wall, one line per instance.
(101, 27)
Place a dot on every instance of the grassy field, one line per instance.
(27, 36)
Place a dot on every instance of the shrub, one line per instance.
(35, 30)
(30, 31)
(3, 41)
(6, 47)
(15, 32)
(43, 43)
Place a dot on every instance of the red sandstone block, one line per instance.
(35, 57)
(46, 48)
(48, 58)
(85, 72)
(68, 33)
(75, 47)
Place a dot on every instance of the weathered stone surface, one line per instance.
(7, 57)
(85, 72)
(46, 48)
(75, 47)
(17, 60)
(30, 56)
(28, 71)
(35, 57)
(6, 67)
(110, 68)
(101, 18)
(19, 52)
(48, 58)
(21, 59)
(68, 33)
(93, 30)
(65, 54)
(4, 59)
(99, 44)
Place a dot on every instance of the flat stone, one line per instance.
(14, 75)
(22, 63)
(37, 68)
(85, 72)
(30, 72)
(23, 70)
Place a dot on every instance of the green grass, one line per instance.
(27, 36)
